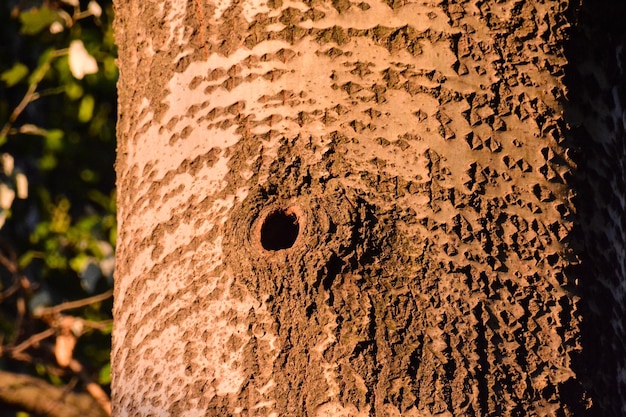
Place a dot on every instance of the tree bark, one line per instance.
(345, 209)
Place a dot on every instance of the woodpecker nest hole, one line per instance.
(280, 229)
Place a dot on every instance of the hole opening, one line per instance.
(279, 230)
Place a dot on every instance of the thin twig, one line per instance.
(31, 341)
(8, 264)
(92, 387)
(30, 96)
(74, 304)
(21, 313)
(15, 285)
(22, 357)
(51, 91)
(99, 325)
(19, 109)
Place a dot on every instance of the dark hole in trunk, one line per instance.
(279, 230)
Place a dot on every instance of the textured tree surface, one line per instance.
(352, 209)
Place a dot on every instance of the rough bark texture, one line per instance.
(416, 153)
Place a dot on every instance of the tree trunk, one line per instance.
(346, 209)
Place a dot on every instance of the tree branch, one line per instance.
(73, 304)
(36, 396)
(31, 341)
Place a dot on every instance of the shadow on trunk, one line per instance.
(596, 80)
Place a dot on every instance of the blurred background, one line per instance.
(57, 206)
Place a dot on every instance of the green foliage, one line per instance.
(14, 75)
(37, 19)
(105, 374)
(57, 184)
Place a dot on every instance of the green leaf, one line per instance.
(88, 175)
(27, 258)
(113, 236)
(85, 110)
(15, 74)
(55, 380)
(100, 198)
(110, 68)
(73, 90)
(41, 232)
(40, 368)
(104, 378)
(55, 260)
(79, 263)
(35, 20)
(48, 162)
(54, 139)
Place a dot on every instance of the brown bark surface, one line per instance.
(345, 209)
